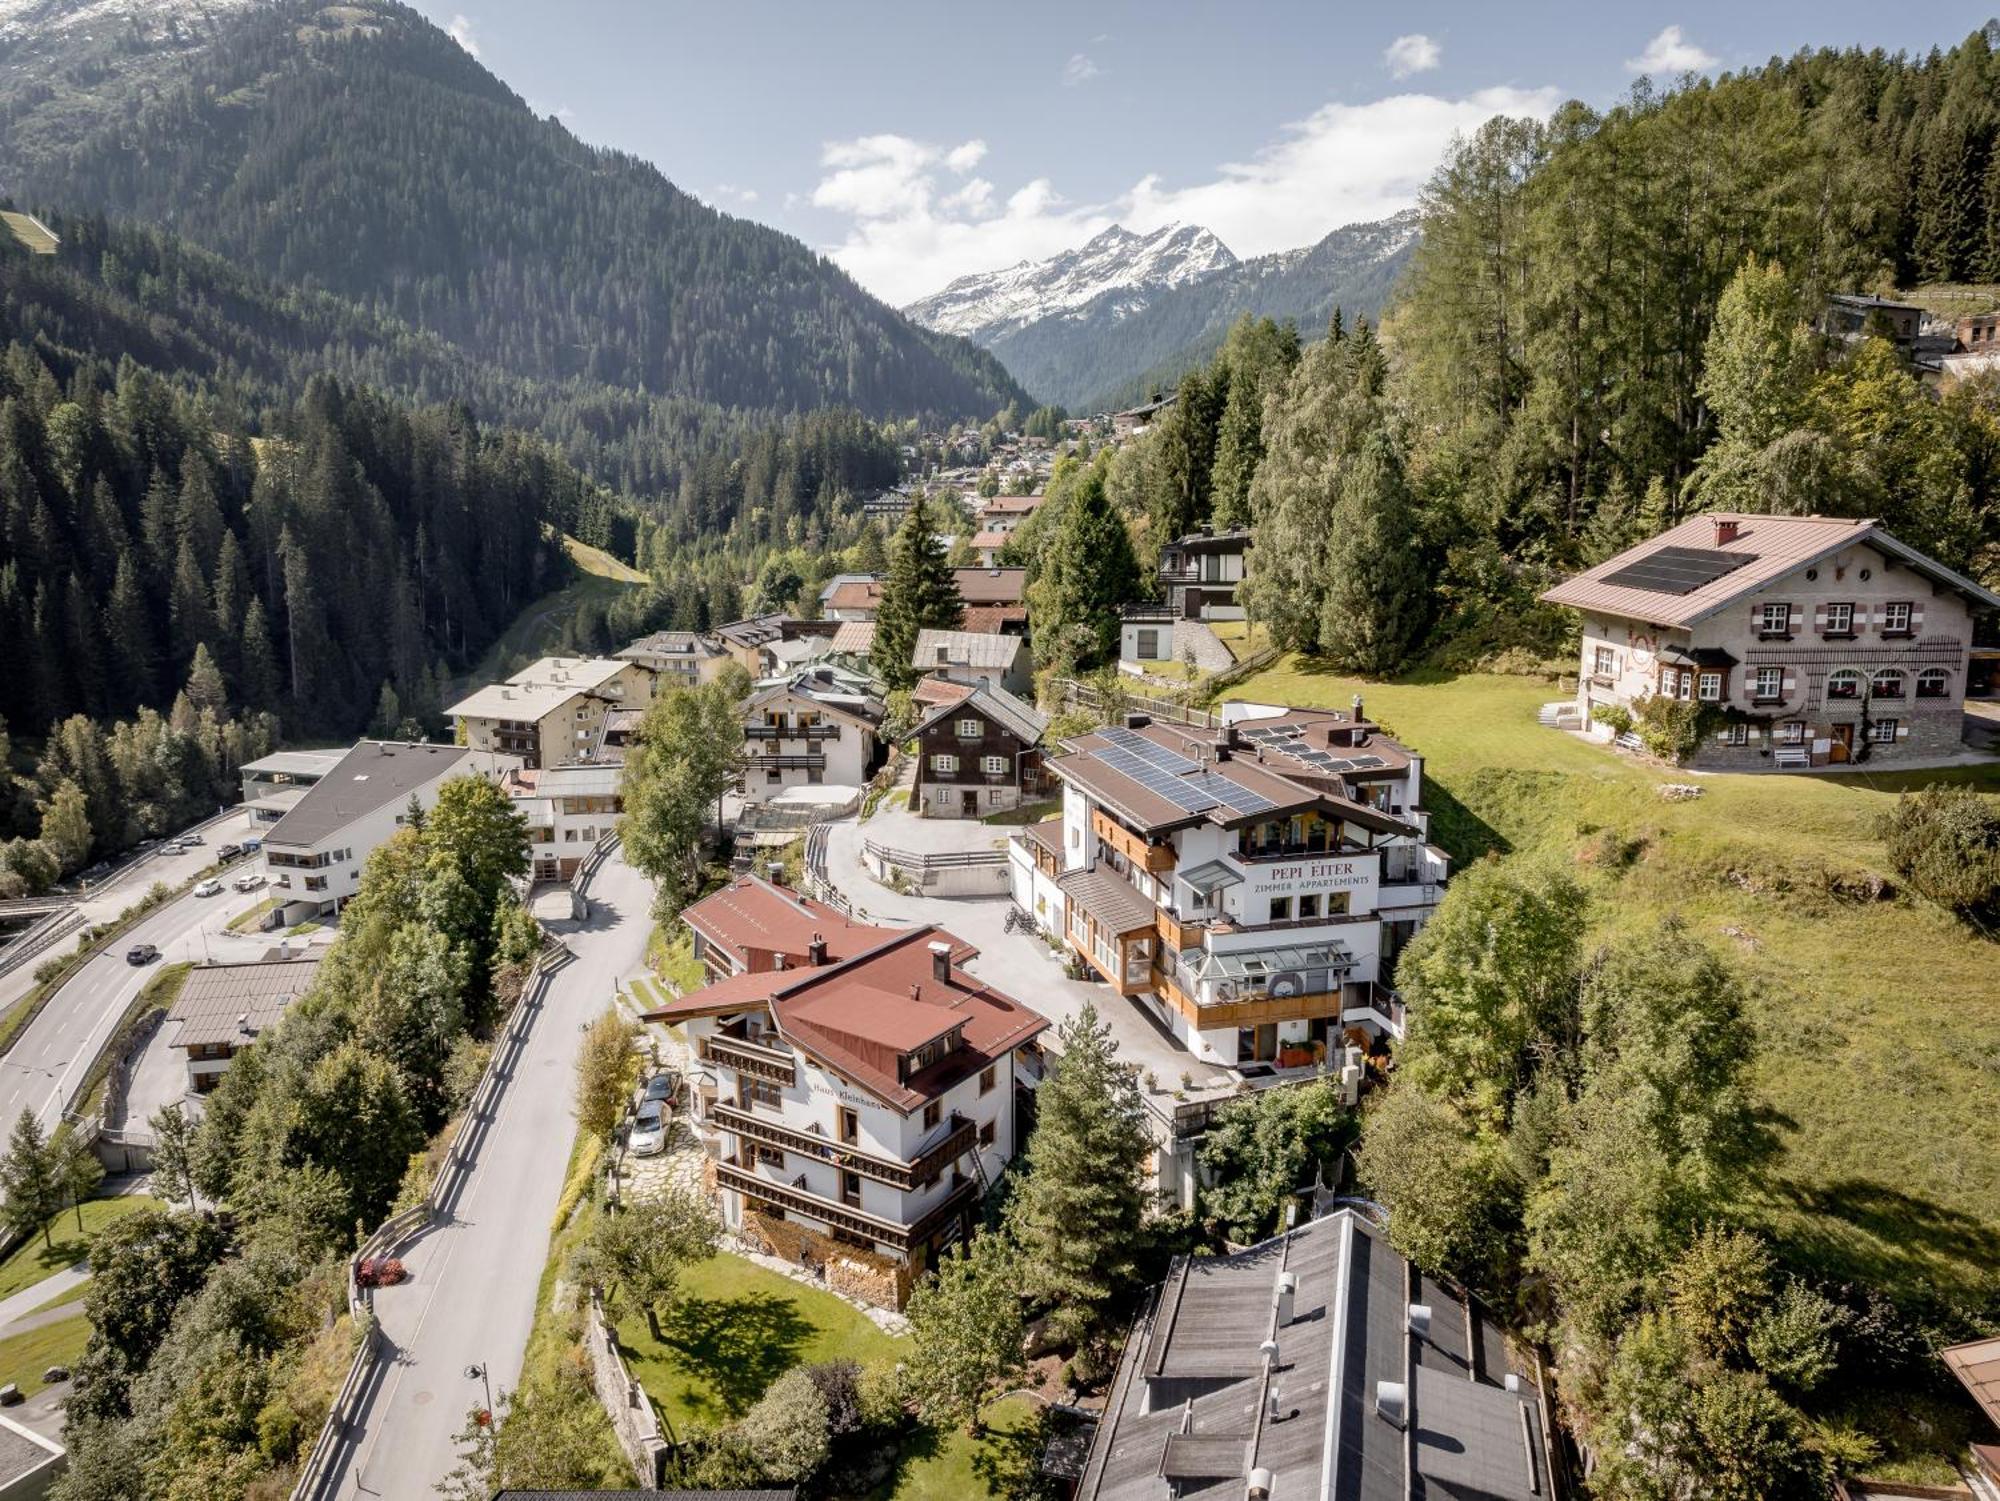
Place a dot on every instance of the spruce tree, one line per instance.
(30, 1179)
(1077, 1213)
(205, 688)
(919, 594)
(259, 681)
(1376, 598)
(1088, 572)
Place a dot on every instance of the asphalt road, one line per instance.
(50, 1058)
(474, 1276)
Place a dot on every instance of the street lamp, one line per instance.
(478, 1373)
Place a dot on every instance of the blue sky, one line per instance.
(918, 142)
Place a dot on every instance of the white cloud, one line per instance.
(1671, 54)
(460, 31)
(962, 159)
(911, 230)
(1416, 53)
(729, 190)
(1079, 69)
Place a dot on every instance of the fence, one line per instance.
(51, 930)
(940, 873)
(319, 1473)
(1082, 696)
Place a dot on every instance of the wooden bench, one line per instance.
(1629, 741)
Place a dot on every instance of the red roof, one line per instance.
(991, 586)
(754, 922)
(856, 594)
(993, 620)
(938, 691)
(859, 1016)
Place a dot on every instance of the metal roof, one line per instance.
(373, 775)
(1108, 897)
(1003, 708)
(293, 763)
(216, 999)
(965, 649)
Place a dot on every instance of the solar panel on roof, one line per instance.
(1176, 790)
(1230, 794)
(1678, 570)
(1361, 763)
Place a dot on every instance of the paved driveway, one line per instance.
(474, 1277)
(1019, 964)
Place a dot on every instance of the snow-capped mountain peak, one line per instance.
(1116, 259)
(29, 20)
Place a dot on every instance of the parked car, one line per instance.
(173, 847)
(649, 1130)
(251, 880)
(663, 1087)
(226, 852)
(191, 839)
(141, 953)
(210, 887)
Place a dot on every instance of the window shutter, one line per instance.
(1756, 617)
(1791, 682)
(1916, 616)
(1797, 618)
(1819, 617)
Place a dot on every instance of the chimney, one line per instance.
(1268, 1353)
(1355, 707)
(1725, 530)
(1261, 1481)
(1288, 1289)
(775, 872)
(816, 950)
(243, 1023)
(1137, 721)
(940, 961)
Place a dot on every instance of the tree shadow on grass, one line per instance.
(1908, 1242)
(1009, 1462)
(733, 1348)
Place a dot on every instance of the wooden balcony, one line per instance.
(749, 1058)
(1153, 858)
(907, 1176)
(1178, 934)
(731, 1174)
(1245, 1013)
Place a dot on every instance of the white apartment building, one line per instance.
(552, 710)
(1250, 886)
(814, 728)
(314, 854)
(865, 1103)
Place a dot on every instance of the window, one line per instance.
(1281, 909)
(770, 1157)
(969, 729)
(993, 766)
(1792, 732)
(1888, 683)
(1774, 619)
(986, 1133)
(751, 1092)
(1846, 683)
(1737, 733)
(1896, 618)
(944, 763)
(1840, 620)
(1933, 683)
(1708, 688)
(1882, 731)
(1148, 649)
(774, 776)
(850, 1125)
(1770, 684)
(933, 1112)
(986, 1079)
(850, 1189)
(1308, 906)
(1604, 662)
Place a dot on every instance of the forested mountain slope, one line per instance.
(1115, 350)
(358, 150)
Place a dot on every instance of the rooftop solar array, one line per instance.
(1184, 783)
(1178, 790)
(1151, 753)
(1236, 798)
(1678, 570)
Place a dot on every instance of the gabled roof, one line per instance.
(754, 630)
(825, 693)
(1020, 720)
(374, 775)
(852, 591)
(856, 1016)
(232, 1003)
(936, 690)
(991, 586)
(965, 649)
(856, 638)
(671, 644)
(1737, 555)
(752, 914)
(539, 687)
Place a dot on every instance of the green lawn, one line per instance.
(243, 922)
(595, 576)
(1026, 813)
(24, 1357)
(949, 1465)
(735, 1330)
(1878, 1021)
(670, 956)
(33, 1261)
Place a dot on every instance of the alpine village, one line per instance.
(635, 862)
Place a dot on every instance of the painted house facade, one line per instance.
(1250, 886)
(809, 729)
(1814, 640)
(861, 1106)
(551, 710)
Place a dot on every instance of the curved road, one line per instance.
(474, 1276)
(52, 1055)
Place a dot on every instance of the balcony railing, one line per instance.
(730, 1173)
(749, 1058)
(792, 732)
(814, 761)
(923, 1171)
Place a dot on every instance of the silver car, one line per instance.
(649, 1131)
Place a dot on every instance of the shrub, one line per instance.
(1945, 841)
(1616, 716)
(788, 1429)
(1670, 727)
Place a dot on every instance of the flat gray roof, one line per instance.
(293, 763)
(370, 776)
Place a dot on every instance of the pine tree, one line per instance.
(920, 593)
(259, 678)
(205, 689)
(1377, 587)
(1088, 572)
(190, 616)
(30, 1179)
(1077, 1214)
